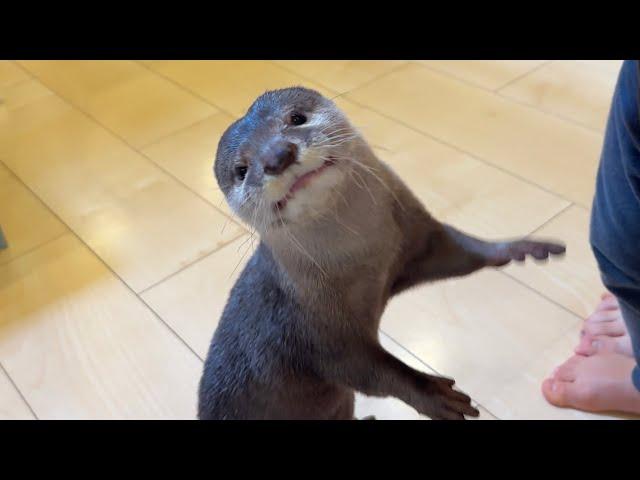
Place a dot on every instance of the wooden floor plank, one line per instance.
(572, 90)
(123, 96)
(79, 344)
(524, 141)
(141, 221)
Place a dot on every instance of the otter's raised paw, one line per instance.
(442, 402)
(520, 249)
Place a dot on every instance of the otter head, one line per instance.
(285, 160)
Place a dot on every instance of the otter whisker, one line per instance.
(380, 147)
(253, 226)
(342, 136)
(326, 147)
(332, 144)
(224, 226)
(257, 206)
(263, 224)
(386, 187)
(359, 182)
(336, 217)
(318, 216)
(338, 134)
(336, 191)
(296, 243)
(372, 171)
(238, 264)
(363, 185)
(328, 127)
(245, 241)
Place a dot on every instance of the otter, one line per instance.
(339, 235)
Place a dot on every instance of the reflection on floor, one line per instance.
(122, 252)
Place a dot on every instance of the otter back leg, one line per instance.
(448, 252)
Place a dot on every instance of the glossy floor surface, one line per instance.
(122, 251)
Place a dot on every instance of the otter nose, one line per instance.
(284, 156)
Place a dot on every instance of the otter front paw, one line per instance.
(519, 249)
(442, 402)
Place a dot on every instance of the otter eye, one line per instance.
(297, 119)
(241, 172)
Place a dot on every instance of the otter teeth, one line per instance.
(302, 181)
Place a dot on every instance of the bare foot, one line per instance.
(597, 383)
(604, 331)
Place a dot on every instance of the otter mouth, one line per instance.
(302, 181)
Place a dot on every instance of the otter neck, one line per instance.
(351, 241)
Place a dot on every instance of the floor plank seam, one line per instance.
(15, 386)
(183, 341)
(166, 324)
(181, 130)
(469, 83)
(14, 84)
(71, 231)
(135, 149)
(538, 293)
(520, 77)
(597, 131)
(534, 361)
(339, 94)
(389, 117)
(430, 367)
(191, 264)
(498, 93)
(550, 219)
(43, 205)
(364, 106)
(533, 232)
(32, 249)
(432, 137)
(437, 139)
(465, 152)
(183, 88)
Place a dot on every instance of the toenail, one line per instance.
(554, 386)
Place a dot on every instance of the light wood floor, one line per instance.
(122, 251)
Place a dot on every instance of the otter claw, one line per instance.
(519, 249)
(445, 403)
